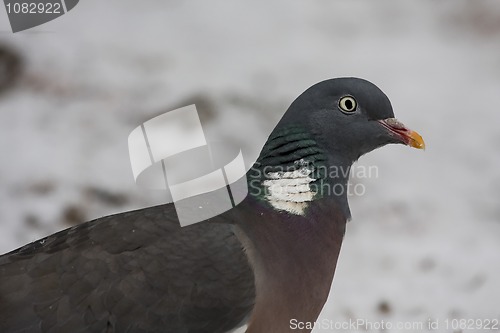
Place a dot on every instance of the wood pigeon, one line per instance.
(268, 261)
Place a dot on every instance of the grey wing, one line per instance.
(132, 272)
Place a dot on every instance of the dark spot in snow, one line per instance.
(73, 214)
(42, 187)
(106, 197)
(384, 307)
(427, 264)
(10, 67)
(32, 221)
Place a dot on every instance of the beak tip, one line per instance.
(416, 140)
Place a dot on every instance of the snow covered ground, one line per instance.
(424, 242)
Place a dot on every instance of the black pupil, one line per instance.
(349, 104)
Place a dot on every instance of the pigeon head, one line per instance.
(349, 117)
(309, 154)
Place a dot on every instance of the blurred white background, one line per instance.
(424, 240)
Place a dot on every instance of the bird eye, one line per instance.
(347, 104)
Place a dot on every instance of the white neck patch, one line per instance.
(290, 191)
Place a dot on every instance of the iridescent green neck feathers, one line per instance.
(289, 172)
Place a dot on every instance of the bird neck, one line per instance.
(293, 171)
